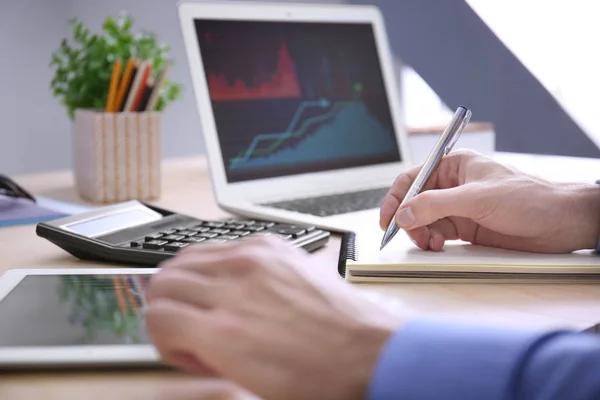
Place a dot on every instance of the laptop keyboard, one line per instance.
(334, 204)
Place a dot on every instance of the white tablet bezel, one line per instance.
(73, 356)
(309, 183)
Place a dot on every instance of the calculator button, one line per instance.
(233, 226)
(174, 246)
(215, 241)
(261, 233)
(173, 238)
(200, 229)
(228, 237)
(187, 233)
(207, 235)
(153, 236)
(245, 222)
(253, 228)
(134, 244)
(169, 231)
(239, 233)
(219, 231)
(264, 224)
(295, 232)
(214, 224)
(194, 239)
(154, 244)
(298, 227)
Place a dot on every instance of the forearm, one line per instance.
(426, 360)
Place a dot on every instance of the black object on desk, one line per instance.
(137, 233)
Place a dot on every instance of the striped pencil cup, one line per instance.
(117, 156)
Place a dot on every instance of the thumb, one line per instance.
(432, 205)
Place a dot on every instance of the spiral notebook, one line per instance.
(459, 262)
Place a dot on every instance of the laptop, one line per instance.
(299, 107)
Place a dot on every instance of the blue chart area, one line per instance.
(347, 129)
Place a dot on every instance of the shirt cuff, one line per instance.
(426, 359)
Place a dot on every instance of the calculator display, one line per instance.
(113, 222)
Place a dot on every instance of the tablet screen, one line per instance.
(71, 310)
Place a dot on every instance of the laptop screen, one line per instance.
(296, 97)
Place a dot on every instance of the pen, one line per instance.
(443, 146)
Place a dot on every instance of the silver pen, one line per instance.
(461, 118)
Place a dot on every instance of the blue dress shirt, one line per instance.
(435, 360)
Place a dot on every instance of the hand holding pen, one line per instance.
(442, 147)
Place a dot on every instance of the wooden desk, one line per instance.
(186, 188)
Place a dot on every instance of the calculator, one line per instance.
(136, 233)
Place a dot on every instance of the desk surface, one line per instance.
(186, 188)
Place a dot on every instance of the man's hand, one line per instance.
(263, 315)
(475, 199)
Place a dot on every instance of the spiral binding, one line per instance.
(347, 252)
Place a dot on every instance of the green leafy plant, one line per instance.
(83, 66)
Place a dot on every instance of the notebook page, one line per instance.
(402, 254)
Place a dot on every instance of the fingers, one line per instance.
(185, 286)
(433, 205)
(441, 230)
(434, 236)
(227, 258)
(394, 197)
(177, 329)
(447, 175)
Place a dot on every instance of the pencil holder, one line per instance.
(117, 156)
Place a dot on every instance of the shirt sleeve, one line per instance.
(432, 360)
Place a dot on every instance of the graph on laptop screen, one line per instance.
(291, 98)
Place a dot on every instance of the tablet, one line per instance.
(74, 318)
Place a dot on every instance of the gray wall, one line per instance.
(464, 62)
(35, 133)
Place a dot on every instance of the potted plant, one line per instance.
(114, 87)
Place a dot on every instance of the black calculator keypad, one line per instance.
(219, 231)
(215, 241)
(253, 228)
(208, 235)
(187, 233)
(214, 224)
(154, 244)
(172, 239)
(153, 236)
(174, 246)
(200, 229)
(193, 240)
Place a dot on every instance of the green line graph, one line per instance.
(280, 137)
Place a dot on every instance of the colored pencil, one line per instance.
(135, 86)
(160, 80)
(114, 83)
(141, 88)
(124, 85)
